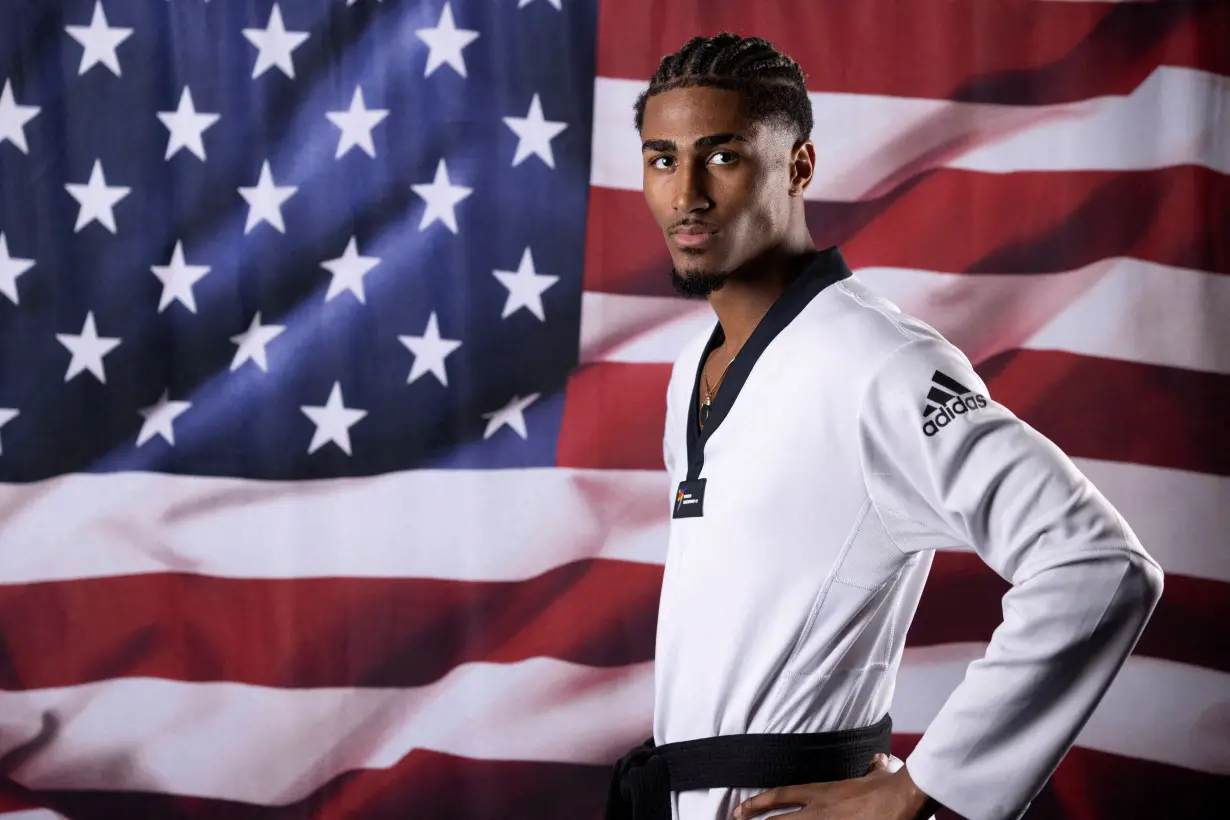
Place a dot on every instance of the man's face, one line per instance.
(717, 183)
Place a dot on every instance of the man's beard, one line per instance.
(697, 284)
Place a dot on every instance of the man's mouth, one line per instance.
(693, 236)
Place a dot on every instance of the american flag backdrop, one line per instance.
(334, 337)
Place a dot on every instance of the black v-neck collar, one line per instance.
(827, 268)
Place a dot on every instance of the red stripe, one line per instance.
(962, 221)
(1093, 785)
(614, 415)
(1016, 53)
(1088, 785)
(962, 602)
(290, 633)
(1090, 407)
(422, 784)
(14, 800)
(1116, 410)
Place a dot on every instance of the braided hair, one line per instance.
(773, 85)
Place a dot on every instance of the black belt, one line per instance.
(645, 777)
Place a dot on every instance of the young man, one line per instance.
(822, 446)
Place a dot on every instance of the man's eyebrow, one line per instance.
(719, 139)
(664, 146)
(668, 146)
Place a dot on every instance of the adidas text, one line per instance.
(947, 414)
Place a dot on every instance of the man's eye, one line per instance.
(724, 157)
(659, 162)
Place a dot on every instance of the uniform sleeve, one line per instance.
(946, 464)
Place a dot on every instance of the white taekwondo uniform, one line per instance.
(847, 442)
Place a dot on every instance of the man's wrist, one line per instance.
(918, 805)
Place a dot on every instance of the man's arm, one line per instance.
(1083, 586)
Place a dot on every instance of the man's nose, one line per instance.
(690, 194)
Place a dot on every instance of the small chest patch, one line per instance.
(690, 499)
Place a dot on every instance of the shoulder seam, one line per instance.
(908, 334)
(911, 341)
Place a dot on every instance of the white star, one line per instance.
(265, 201)
(445, 42)
(177, 279)
(96, 199)
(10, 268)
(510, 414)
(275, 44)
(441, 197)
(7, 414)
(252, 343)
(13, 118)
(187, 127)
(429, 351)
(348, 271)
(99, 41)
(556, 3)
(333, 421)
(525, 287)
(88, 349)
(357, 124)
(534, 134)
(159, 419)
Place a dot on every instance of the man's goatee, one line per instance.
(696, 285)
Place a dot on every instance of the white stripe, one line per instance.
(160, 735)
(296, 740)
(1124, 309)
(1166, 507)
(1154, 710)
(1115, 308)
(485, 525)
(31, 814)
(617, 327)
(868, 144)
(1183, 106)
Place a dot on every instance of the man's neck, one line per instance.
(743, 300)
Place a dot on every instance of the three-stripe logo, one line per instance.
(946, 400)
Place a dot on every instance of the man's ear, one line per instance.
(802, 166)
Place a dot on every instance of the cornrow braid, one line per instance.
(774, 85)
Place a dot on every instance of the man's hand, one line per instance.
(877, 795)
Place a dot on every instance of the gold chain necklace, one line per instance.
(710, 392)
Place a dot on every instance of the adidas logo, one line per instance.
(948, 399)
